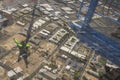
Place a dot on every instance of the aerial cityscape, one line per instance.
(59, 39)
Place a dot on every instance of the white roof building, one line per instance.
(44, 32)
(14, 72)
(18, 69)
(38, 23)
(11, 73)
(58, 35)
(67, 67)
(47, 7)
(69, 45)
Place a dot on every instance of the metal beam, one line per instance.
(90, 12)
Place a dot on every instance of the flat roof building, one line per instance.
(58, 36)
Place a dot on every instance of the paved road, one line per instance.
(6, 67)
(89, 58)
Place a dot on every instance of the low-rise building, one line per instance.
(68, 10)
(58, 36)
(69, 44)
(49, 75)
(47, 7)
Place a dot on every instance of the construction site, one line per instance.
(59, 39)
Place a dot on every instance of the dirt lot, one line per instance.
(13, 29)
(3, 74)
(9, 44)
(47, 46)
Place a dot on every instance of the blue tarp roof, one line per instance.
(99, 42)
